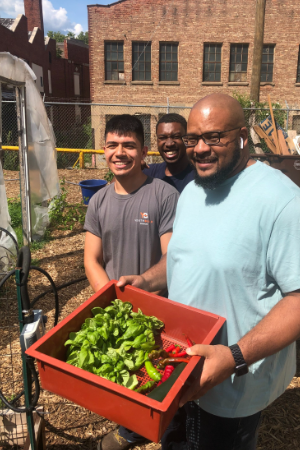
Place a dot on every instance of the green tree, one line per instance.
(71, 35)
(83, 37)
(57, 35)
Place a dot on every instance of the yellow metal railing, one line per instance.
(81, 152)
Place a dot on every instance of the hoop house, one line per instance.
(38, 169)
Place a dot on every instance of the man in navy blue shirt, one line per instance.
(176, 168)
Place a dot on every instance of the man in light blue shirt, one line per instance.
(235, 251)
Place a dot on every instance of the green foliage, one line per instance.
(113, 342)
(57, 35)
(60, 37)
(109, 176)
(83, 37)
(87, 131)
(61, 214)
(261, 111)
(70, 35)
(59, 52)
(15, 212)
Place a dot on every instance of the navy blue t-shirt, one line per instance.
(178, 181)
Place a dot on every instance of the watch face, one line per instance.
(241, 370)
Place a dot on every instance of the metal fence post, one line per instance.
(81, 160)
(287, 116)
(1, 151)
(26, 375)
(24, 171)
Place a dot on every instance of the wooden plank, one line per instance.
(284, 147)
(39, 433)
(264, 136)
(274, 126)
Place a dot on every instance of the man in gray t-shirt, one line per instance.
(130, 226)
(128, 223)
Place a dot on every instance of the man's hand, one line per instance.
(218, 365)
(134, 280)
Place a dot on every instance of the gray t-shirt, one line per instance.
(131, 225)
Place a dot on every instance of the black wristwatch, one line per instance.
(241, 367)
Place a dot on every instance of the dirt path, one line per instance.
(70, 426)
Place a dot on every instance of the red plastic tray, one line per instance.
(137, 412)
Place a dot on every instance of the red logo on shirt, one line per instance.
(144, 215)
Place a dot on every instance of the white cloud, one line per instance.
(11, 9)
(54, 19)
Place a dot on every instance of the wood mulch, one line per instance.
(70, 426)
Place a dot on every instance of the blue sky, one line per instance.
(59, 15)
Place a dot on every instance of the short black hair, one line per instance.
(123, 124)
(172, 117)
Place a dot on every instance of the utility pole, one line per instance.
(257, 49)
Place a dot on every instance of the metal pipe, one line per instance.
(24, 171)
(26, 374)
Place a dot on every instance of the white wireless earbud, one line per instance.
(242, 143)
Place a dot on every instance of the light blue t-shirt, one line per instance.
(234, 252)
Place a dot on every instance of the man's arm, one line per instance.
(93, 261)
(164, 242)
(154, 279)
(279, 328)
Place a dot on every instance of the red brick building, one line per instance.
(151, 52)
(148, 51)
(58, 78)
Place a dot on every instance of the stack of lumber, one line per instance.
(275, 137)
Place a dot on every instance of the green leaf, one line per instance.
(132, 382)
(97, 310)
(83, 356)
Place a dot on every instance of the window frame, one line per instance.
(240, 73)
(111, 61)
(141, 59)
(215, 62)
(268, 63)
(163, 72)
(298, 67)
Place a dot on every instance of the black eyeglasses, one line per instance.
(209, 138)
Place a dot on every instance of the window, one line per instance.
(296, 123)
(76, 84)
(141, 61)
(114, 61)
(168, 62)
(267, 63)
(298, 68)
(49, 82)
(212, 62)
(38, 70)
(238, 62)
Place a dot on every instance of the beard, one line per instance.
(221, 175)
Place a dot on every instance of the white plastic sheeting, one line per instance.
(43, 176)
(7, 247)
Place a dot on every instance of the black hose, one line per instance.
(23, 261)
(58, 288)
(30, 365)
(54, 289)
(12, 238)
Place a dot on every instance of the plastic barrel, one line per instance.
(89, 188)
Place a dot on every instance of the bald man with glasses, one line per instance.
(235, 251)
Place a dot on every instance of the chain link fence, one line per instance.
(81, 126)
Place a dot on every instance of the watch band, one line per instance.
(241, 367)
